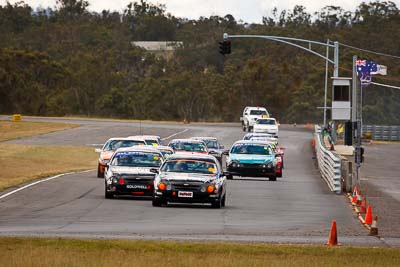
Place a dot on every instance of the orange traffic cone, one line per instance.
(374, 227)
(363, 207)
(354, 199)
(359, 199)
(332, 241)
(313, 142)
(355, 190)
(368, 216)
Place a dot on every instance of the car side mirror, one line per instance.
(277, 155)
(154, 170)
(226, 152)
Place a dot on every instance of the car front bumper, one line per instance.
(131, 189)
(197, 197)
(251, 170)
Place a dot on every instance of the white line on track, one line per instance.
(38, 182)
(175, 134)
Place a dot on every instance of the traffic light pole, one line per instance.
(291, 41)
(357, 119)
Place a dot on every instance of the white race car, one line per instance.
(266, 125)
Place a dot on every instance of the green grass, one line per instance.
(12, 130)
(23, 163)
(69, 252)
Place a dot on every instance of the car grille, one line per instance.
(250, 165)
(187, 186)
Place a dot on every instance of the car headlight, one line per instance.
(163, 185)
(270, 165)
(114, 180)
(234, 164)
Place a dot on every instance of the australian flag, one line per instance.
(366, 68)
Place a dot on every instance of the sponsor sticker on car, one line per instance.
(136, 186)
(186, 194)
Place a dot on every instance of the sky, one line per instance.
(250, 11)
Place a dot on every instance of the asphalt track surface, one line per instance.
(297, 208)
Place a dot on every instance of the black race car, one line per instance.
(190, 179)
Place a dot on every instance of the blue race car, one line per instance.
(251, 158)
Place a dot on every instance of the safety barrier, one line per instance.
(328, 163)
(383, 133)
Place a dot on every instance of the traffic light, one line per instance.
(225, 47)
(348, 133)
(359, 155)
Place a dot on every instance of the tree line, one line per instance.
(69, 61)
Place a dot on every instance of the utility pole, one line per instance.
(326, 80)
(335, 75)
(356, 115)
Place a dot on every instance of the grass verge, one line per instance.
(72, 252)
(23, 163)
(12, 130)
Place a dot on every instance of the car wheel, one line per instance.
(249, 128)
(218, 204)
(223, 201)
(229, 177)
(99, 173)
(244, 127)
(279, 175)
(158, 202)
(107, 194)
(272, 178)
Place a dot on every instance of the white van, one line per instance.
(251, 115)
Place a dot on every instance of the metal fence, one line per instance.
(329, 164)
(383, 133)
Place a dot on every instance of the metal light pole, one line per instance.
(326, 80)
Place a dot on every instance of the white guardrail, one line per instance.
(328, 163)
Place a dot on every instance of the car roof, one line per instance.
(138, 149)
(192, 156)
(129, 138)
(204, 138)
(266, 119)
(164, 148)
(189, 140)
(259, 108)
(256, 142)
(249, 135)
(146, 136)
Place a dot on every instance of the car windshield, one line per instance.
(266, 121)
(255, 149)
(211, 144)
(189, 166)
(136, 159)
(188, 146)
(258, 112)
(250, 136)
(152, 142)
(167, 153)
(115, 144)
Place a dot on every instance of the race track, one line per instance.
(297, 208)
